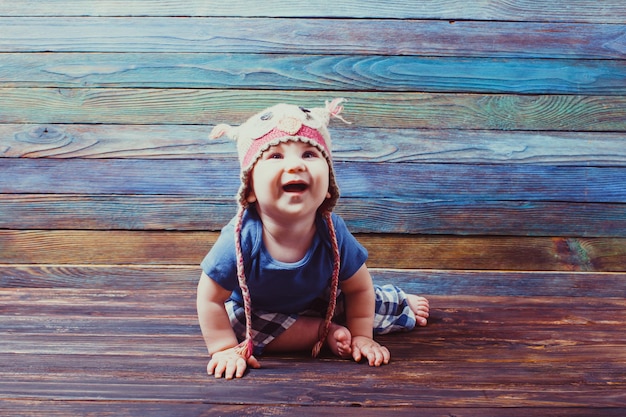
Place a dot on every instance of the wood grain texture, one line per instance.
(366, 109)
(524, 10)
(126, 409)
(349, 144)
(315, 72)
(507, 253)
(538, 350)
(215, 178)
(461, 38)
(124, 278)
(362, 215)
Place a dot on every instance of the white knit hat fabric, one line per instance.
(282, 123)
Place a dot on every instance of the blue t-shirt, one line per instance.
(277, 286)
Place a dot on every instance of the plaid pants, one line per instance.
(392, 314)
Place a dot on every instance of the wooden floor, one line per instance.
(127, 352)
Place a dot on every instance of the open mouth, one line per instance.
(295, 187)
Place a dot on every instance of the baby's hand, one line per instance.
(364, 347)
(229, 364)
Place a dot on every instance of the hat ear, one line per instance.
(222, 129)
(332, 109)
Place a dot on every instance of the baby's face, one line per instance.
(290, 179)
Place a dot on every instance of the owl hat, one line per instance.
(274, 125)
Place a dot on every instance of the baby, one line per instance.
(285, 273)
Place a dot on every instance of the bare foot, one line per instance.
(419, 306)
(339, 341)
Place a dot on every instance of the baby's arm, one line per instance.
(218, 335)
(360, 306)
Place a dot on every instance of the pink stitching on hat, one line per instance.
(305, 131)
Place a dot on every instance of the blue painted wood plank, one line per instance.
(314, 36)
(505, 283)
(315, 72)
(408, 182)
(349, 144)
(362, 215)
(463, 216)
(484, 182)
(608, 11)
(414, 281)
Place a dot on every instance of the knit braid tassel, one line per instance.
(333, 286)
(246, 347)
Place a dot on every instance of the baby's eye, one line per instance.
(310, 154)
(274, 155)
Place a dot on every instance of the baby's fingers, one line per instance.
(356, 354)
(227, 367)
(210, 368)
(382, 356)
(377, 355)
(216, 367)
(235, 368)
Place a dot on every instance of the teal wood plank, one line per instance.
(364, 109)
(315, 72)
(349, 144)
(362, 215)
(611, 11)
(313, 36)
(407, 182)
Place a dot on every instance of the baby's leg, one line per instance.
(304, 333)
(419, 306)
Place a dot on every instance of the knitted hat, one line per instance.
(274, 125)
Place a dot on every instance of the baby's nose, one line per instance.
(294, 164)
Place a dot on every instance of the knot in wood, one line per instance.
(42, 135)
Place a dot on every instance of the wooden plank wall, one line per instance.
(506, 124)
(486, 154)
